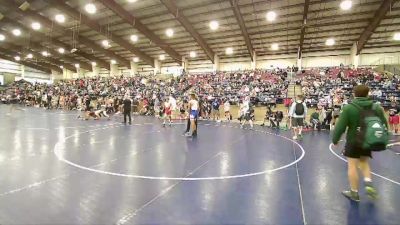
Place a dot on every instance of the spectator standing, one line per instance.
(297, 113)
(215, 109)
(127, 103)
(227, 110)
(394, 119)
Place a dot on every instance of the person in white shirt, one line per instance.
(297, 113)
(193, 115)
(227, 110)
(247, 113)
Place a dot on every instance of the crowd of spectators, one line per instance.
(323, 88)
(148, 93)
(326, 89)
(331, 88)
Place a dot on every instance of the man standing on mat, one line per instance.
(357, 157)
(297, 113)
(127, 109)
(193, 115)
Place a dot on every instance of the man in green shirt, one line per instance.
(314, 120)
(356, 156)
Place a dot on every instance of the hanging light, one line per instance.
(2, 37)
(192, 54)
(214, 25)
(62, 67)
(113, 61)
(275, 46)
(134, 38)
(330, 42)
(60, 18)
(61, 50)
(90, 8)
(36, 26)
(105, 43)
(136, 59)
(45, 53)
(229, 51)
(17, 58)
(271, 16)
(162, 57)
(94, 63)
(77, 65)
(16, 32)
(346, 4)
(169, 32)
(396, 36)
(29, 56)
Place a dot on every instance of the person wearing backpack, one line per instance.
(297, 113)
(366, 132)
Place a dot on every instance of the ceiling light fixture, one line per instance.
(94, 63)
(132, 1)
(105, 43)
(90, 8)
(2, 37)
(45, 53)
(396, 36)
(16, 32)
(61, 50)
(214, 25)
(229, 51)
(346, 4)
(134, 38)
(60, 18)
(169, 32)
(330, 42)
(136, 59)
(113, 61)
(17, 58)
(77, 65)
(162, 57)
(29, 56)
(62, 67)
(36, 26)
(192, 54)
(271, 16)
(275, 46)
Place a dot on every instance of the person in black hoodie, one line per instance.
(127, 109)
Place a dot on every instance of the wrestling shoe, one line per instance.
(352, 195)
(371, 191)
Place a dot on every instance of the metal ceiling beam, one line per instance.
(82, 40)
(374, 23)
(303, 27)
(35, 46)
(243, 29)
(38, 47)
(31, 65)
(135, 22)
(44, 67)
(96, 27)
(54, 27)
(174, 10)
(21, 49)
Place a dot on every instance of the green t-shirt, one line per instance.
(315, 115)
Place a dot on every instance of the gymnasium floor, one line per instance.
(55, 169)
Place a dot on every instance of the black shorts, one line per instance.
(248, 117)
(353, 151)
